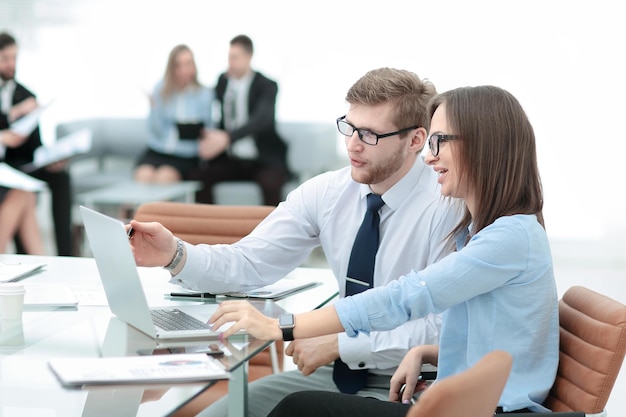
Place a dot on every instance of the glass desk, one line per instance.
(28, 387)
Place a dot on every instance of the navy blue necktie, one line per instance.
(360, 277)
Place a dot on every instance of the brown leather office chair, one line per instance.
(208, 223)
(592, 348)
(473, 393)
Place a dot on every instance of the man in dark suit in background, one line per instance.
(16, 101)
(247, 146)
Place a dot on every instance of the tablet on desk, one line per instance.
(189, 131)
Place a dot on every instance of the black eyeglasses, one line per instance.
(365, 135)
(436, 139)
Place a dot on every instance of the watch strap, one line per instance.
(178, 256)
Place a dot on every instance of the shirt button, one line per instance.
(423, 283)
(361, 365)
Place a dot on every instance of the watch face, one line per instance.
(285, 320)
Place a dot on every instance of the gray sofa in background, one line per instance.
(313, 147)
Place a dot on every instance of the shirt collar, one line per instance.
(6, 83)
(246, 79)
(396, 195)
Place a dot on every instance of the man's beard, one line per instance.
(7, 77)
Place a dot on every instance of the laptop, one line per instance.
(120, 278)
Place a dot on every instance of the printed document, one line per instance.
(185, 367)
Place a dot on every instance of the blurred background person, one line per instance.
(246, 147)
(18, 216)
(15, 102)
(180, 110)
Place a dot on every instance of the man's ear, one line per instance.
(418, 140)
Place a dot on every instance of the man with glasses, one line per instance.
(385, 130)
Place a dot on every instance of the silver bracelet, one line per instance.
(178, 256)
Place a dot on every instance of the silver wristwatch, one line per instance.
(178, 256)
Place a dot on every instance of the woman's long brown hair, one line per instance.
(496, 153)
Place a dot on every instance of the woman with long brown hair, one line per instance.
(180, 110)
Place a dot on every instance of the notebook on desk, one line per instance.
(122, 285)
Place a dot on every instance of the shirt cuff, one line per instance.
(356, 352)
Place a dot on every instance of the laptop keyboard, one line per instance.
(174, 319)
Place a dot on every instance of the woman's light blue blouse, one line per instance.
(191, 105)
(496, 292)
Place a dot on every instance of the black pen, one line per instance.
(192, 294)
(131, 232)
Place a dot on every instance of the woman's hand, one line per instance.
(408, 372)
(245, 317)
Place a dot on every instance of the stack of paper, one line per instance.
(138, 369)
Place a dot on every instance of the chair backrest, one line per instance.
(592, 347)
(473, 393)
(204, 223)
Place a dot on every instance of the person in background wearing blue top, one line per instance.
(497, 291)
(180, 114)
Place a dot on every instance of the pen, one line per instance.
(131, 232)
(192, 294)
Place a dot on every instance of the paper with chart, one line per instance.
(184, 367)
(13, 178)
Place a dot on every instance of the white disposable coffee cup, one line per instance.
(11, 300)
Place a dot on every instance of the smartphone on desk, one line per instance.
(211, 350)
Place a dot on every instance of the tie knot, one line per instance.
(374, 202)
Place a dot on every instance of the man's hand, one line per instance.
(10, 139)
(152, 243)
(57, 166)
(22, 108)
(310, 354)
(213, 143)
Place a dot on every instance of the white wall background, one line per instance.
(564, 60)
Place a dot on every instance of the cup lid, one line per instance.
(12, 288)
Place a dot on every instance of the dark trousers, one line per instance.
(270, 177)
(332, 404)
(60, 191)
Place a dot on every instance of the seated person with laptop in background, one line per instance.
(180, 110)
(385, 129)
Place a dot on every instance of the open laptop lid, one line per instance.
(118, 270)
(120, 278)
